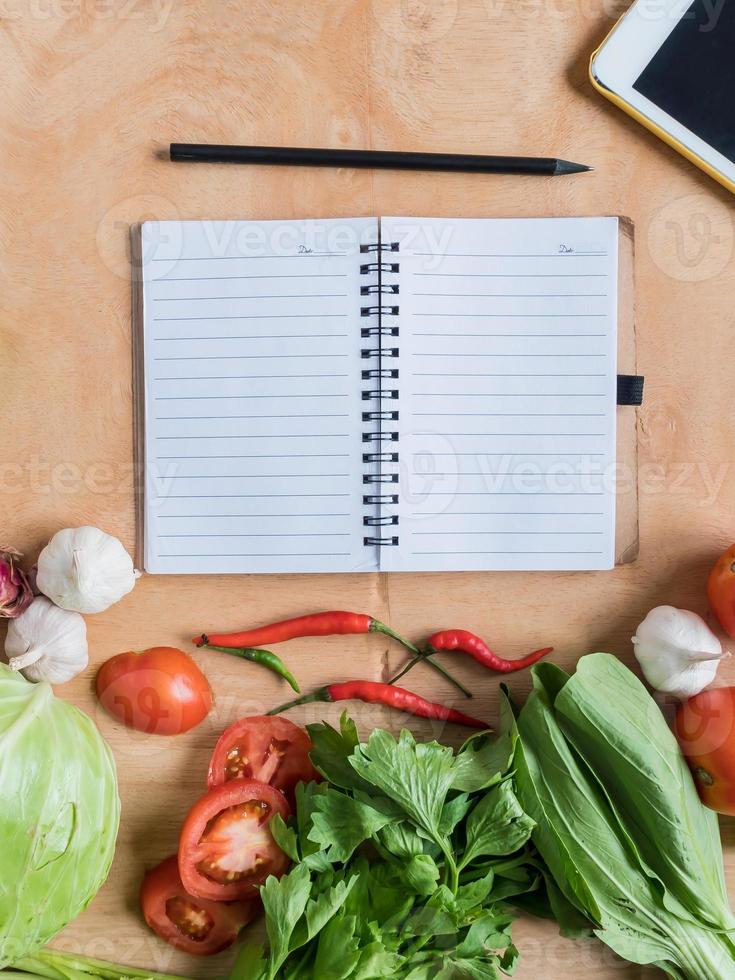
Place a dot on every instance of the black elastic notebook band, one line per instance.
(630, 389)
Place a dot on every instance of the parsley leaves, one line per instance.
(404, 861)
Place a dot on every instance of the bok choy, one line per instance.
(618, 821)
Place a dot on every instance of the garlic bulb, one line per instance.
(677, 651)
(47, 643)
(84, 569)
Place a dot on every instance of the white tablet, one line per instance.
(671, 64)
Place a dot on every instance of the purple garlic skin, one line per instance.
(16, 593)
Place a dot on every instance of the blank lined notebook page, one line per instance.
(507, 393)
(252, 396)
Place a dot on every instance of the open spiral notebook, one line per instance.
(395, 394)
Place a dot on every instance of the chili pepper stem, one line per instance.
(377, 627)
(263, 657)
(425, 657)
(321, 694)
(444, 672)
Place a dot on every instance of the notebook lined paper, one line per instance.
(252, 401)
(507, 396)
(402, 394)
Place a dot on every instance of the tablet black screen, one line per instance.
(692, 76)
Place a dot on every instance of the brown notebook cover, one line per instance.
(626, 530)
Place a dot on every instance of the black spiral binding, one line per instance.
(377, 353)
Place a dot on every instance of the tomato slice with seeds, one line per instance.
(226, 848)
(194, 925)
(270, 749)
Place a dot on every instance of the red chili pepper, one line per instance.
(374, 692)
(473, 645)
(332, 623)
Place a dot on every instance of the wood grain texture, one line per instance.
(93, 92)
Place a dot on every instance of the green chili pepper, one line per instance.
(263, 657)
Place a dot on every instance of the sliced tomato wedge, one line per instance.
(193, 924)
(270, 749)
(226, 848)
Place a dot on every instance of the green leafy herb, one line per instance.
(422, 874)
(453, 811)
(496, 825)
(376, 961)
(484, 759)
(284, 902)
(474, 893)
(401, 840)
(338, 949)
(286, 837)
(341, 822)
(332, 752)
(415, 775)
(391, 876)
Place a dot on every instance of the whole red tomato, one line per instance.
(721, 590)
(160, 691)
(705, 727)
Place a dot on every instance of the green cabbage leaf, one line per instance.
(59, 814)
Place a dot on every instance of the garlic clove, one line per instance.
(47, 643)
(85, 570)
(677, 652)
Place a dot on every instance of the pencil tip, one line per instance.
(567, 167)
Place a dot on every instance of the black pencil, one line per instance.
(379, 159)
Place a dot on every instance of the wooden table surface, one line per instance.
(92, 94)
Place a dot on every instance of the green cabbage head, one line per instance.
(59, 814)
